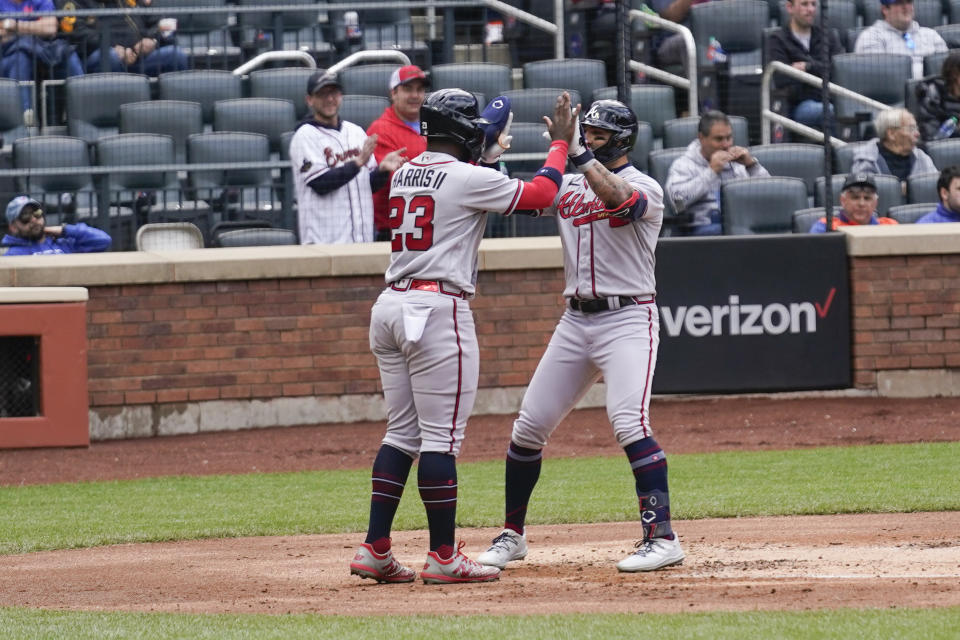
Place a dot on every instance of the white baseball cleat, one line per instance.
(653, 554)
(367, 563)
(459, 568)
(507, 546)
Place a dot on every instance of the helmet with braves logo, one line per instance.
(454, 114)
(617, 117)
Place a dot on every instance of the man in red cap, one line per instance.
(398, 127)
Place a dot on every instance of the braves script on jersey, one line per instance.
(606, 256)
(438, 213)
(343, 215)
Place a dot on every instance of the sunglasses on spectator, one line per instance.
(27, 216)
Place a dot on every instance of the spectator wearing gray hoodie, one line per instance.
(894, 151)
(695, 178)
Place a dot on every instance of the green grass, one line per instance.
(916, 624)
(882, 478)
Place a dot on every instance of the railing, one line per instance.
(768, 116)
(690, 82)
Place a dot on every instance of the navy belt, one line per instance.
(606, 304)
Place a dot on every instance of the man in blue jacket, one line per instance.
(948, 188)
(27, 233)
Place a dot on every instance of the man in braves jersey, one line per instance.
(609, 216)
(421, 327)
(334, 171)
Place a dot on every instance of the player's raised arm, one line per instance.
(542, 189)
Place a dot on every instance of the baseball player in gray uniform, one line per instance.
(609, 217)
(421, 326)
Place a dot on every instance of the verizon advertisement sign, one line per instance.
(753, 313)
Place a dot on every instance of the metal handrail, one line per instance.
(365, 56)
(767, 115)
(690, 82)
(272, 56)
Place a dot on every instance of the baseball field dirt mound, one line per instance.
(796, 563)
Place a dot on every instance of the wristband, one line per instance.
(583, 161)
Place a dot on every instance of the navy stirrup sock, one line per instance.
(437, 481)
(390, 470)
(522, 473)
(649, 466)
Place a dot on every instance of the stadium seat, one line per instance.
(527, 138)
(881, 77)
(367, 79)
(923, 188)
(390, 28)
(205, 86)
(804, 161)
(950, 33)
(12, 126)
(889, 191)
(761, 204)
(235, 193)
(175, 118)
(910, 213)
(803, 219)
(640, 154)
(487, 78)
(738, 26)
(286, 83)
(582, 74)
(658, 167)
(168, 236)
(933, 62)
(530, 105)
(652, 103)
(680, 132)
(944, 153)
(843, 157)
(256, 237)
(269, 116)
(93, 102)
(362, 110)
(204, 37)
(301, 29)
(65, 197)
(124, 189)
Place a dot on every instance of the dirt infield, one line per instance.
(811, 562)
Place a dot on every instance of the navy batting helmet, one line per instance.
(454, 114)
(617, 117)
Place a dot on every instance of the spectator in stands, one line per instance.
(800, 43)
(894, 151)
(695, 178)
(858, 204)
(334, 171)
(938, 98)
(398, 128)
(27, 43)
(897, 32)
(136, 43)
(527, 43)
(27, 233)
(948, 188)
(670, 49)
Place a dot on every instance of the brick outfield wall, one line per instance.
(160, 344)
(906, 314)
(157, 344)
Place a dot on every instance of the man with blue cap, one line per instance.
(27, 233)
